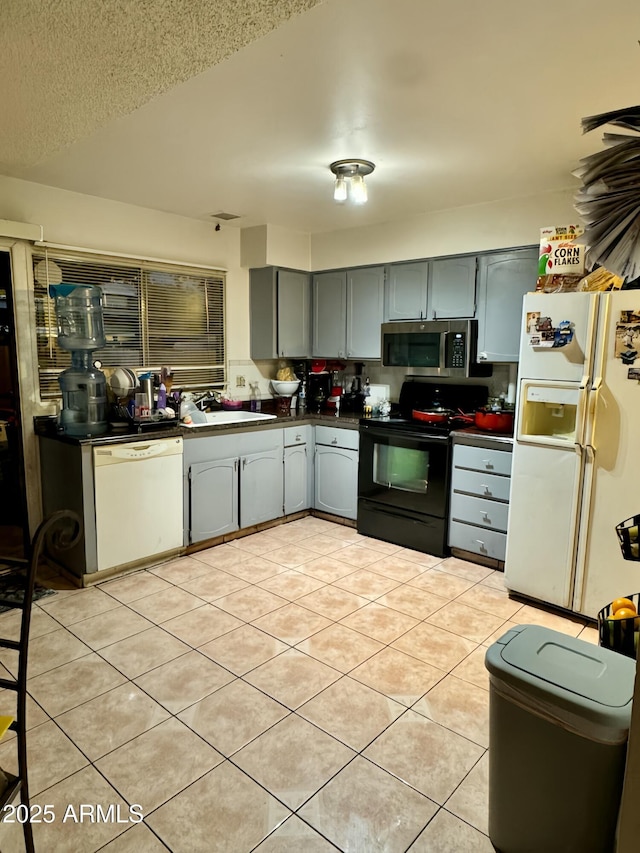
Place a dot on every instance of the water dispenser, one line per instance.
(81, 331)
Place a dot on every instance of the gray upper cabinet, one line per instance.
(365, 304)
(347, 313)
(406, 291)
(329, 335)
(503, 279)
(435, 290)
(280, 313)
(452, 288)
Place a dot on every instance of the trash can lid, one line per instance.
(594, 673)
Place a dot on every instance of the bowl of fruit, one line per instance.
(619, 625)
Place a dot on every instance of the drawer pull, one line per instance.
(485, 517)
(298, 438)
(487, 490)
(482, 545)
(334, 441)
(487, 463)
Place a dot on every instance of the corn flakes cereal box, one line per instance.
(560, 251)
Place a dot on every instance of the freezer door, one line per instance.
(569, 363)
(543, 513)
(613, 460)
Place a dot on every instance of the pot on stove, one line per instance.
(494, 420)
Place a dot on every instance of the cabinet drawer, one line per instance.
(295, 435)
(488, 543)
(481, 459)
(478, 511)
(334, 437)
(481, 484)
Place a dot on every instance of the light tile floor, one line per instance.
(302, 689)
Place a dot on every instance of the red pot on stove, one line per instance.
(432, 416)
(494, 420)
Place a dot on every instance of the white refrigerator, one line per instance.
(576, 455)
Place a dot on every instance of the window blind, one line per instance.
(155, 314)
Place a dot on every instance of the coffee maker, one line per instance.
(318, 391)
(354, 394)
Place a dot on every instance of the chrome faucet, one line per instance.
(207, 398)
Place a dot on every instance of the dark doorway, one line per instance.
(14, 528)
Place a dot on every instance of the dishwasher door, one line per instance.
(138, 495)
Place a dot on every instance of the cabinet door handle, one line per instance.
(244, 463)
(235, 464)
(482, 356)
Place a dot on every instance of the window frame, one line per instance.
(199, 317)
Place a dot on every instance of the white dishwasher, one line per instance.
(138, 495)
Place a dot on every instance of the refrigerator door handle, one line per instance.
(590, 415)
(584, 528)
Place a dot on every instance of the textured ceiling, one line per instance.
(199, 106)
(68, 67)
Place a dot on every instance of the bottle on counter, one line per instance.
(302, 398)
(255, 403)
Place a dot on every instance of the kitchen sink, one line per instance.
(230, 417)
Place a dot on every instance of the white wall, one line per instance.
(271, 245)
(498, 225)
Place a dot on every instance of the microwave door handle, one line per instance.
(443, 348)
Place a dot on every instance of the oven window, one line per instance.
(401, 468)
(419, 349)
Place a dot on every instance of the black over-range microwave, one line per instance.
(433, 348)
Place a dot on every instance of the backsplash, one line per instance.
(247, 372)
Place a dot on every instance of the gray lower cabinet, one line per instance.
(280, 313)
(232, 481)
(213, 499)
(348, 309)
(503, 279)
(479, 507)
(298, 468)
(336, 471)
(261, 487)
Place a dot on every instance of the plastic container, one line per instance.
(84, 397)
(255, 403)
(560, 710)
(79, 316)
(231, 405)
(619, 634)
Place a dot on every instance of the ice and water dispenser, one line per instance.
(550, 413)
(81, 331)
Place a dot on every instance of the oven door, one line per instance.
(404, 470)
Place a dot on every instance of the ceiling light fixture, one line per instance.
(350, 175)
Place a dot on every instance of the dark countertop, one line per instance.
(481, 438)
(48, 426)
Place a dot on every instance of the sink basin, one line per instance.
(225, 418)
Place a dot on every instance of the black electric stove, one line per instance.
(404, 467)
